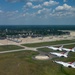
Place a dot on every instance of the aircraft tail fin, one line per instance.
(73, 48)
(60, 48)
(66, 53)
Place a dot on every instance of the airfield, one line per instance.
(29, 39)
(21, 58)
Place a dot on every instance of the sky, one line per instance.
(37, 12)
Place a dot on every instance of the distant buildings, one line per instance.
(30, 32)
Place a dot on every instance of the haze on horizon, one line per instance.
(37, 12)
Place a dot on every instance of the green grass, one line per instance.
(69, 46)
(21, 63)
(9, 47)
(48, 43)
(45, 49)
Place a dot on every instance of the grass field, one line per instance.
(21, 63)
(45, 49)
(70, 46)
(9, 47)
(48, 43)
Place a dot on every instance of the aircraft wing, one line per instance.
(55, 53)
(59, 62)
(66, 49)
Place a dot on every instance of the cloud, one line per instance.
(29, 4)
(37, 6)
(44, 11)
(64, 7)
(64, 10)
(50, 3)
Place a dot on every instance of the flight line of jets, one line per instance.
(63, 54)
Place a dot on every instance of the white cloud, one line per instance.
(46, 4)
(64, 10)
(37, 6)
(39, 11)
(29, 4)
(44, 11)
(64, 7)
(50, 3)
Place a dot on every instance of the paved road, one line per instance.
(28, 48)
(25, 49)
(11, 51)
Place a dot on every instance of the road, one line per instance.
(10, 51)
(29, 48)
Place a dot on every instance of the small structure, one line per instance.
(41, 57)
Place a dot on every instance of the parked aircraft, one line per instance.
(66, 64)
(66, 49)
(55, 48)
(62, 54)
